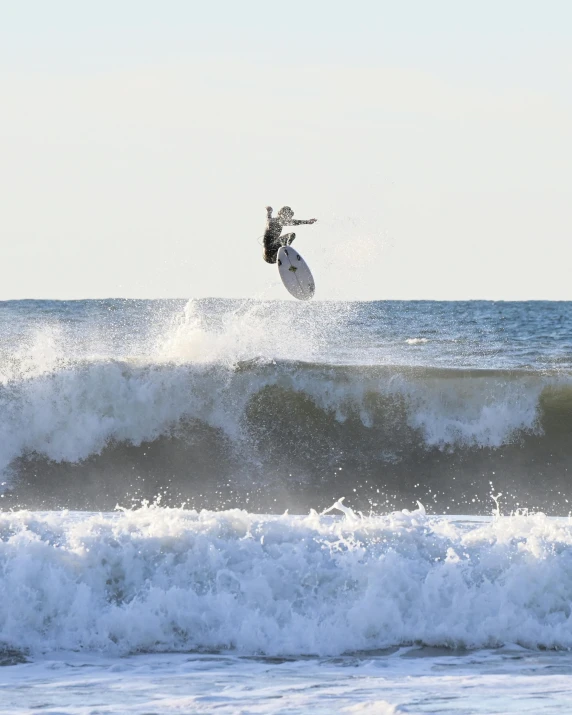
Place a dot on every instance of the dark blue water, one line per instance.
(479, 334)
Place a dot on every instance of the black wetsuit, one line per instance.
(273, 240)
(272, 235)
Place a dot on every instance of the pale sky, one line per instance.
(140, 141)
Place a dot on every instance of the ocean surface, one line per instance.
(263, 507)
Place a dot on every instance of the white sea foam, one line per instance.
(475, 411)
(157, 579)
(260, 330)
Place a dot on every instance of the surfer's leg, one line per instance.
(270, 254)
(271, 247)
(287, 238)
(271, 244)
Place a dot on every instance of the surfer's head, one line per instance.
(286, 213)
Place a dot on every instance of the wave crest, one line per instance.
(284, 423)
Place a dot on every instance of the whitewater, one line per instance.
(253, 506)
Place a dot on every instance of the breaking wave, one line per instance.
(287, 425)
(281, 405)
(157, 579)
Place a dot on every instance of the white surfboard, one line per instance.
(295, 273)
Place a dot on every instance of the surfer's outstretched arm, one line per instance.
(298, 222)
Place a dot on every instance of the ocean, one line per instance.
(242, 506)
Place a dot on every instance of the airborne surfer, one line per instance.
(272, 238)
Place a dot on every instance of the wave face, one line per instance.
(267, 406)
(157, 579)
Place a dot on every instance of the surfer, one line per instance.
(272, 238)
